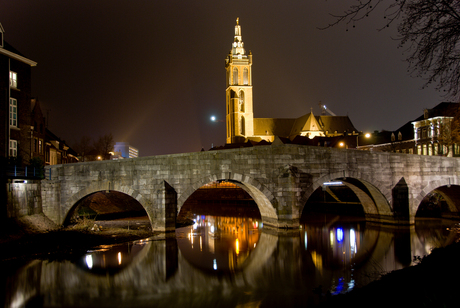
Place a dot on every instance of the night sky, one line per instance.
(152, 72)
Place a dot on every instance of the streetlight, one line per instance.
(366, 135)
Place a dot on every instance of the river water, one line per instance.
(228, 261)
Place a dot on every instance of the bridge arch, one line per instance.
(259, 192)
(373, 201)
(448, 188)
(104, 186)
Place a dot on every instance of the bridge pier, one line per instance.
(400, 209)
(400, 200)
(163, 216)
(289, 193)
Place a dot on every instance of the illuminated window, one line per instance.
(13, 148)
(241, 101)
(13, 112)
(13, 80)
(245, 77)
(235, 75)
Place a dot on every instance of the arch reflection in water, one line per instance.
(337, 249)
(218, 243)
(110, 259)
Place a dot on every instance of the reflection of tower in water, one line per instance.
(227, 241)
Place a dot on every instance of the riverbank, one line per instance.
(434, 282)
(35, 237)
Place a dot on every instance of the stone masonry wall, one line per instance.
(23, 199)
(280, 178)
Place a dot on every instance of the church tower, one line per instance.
(238, 65)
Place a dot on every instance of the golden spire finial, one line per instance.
(237, 21)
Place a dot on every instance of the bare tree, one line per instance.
(104, 145)
(83, 147)
(449, 133)
(428, 29)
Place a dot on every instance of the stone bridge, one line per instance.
(280, 179)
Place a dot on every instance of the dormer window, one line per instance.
(13, 80)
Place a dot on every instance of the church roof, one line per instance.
(306, 123)
(338, 124)
(270, 126)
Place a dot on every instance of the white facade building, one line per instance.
(124, 150)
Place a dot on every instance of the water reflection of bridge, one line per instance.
(160, 274)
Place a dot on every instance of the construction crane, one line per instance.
(324, 110)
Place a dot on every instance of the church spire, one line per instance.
(238, 66)
(238, 45)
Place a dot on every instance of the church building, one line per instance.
(241, 124)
